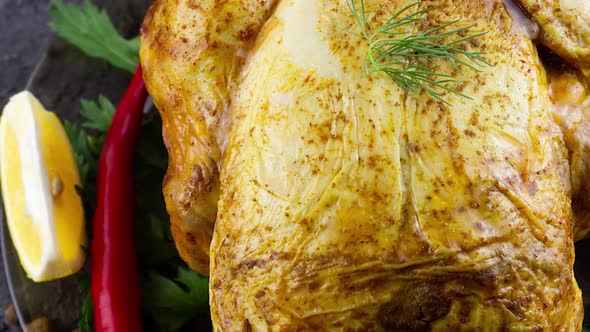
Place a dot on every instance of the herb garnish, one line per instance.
(405, 56)
(93, 32)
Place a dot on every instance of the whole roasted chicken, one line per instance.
(322, 198)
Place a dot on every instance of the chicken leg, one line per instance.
(571, 104)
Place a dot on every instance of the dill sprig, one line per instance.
(406, 56)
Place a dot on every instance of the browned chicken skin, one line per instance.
(341, 202)
(565, 28)
(190, 64)
(571, 110)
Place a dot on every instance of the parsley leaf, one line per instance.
(86, 322)
(197, 285)
(80, 145)
(92, 31)
(99, 114)
(173, 302)
(154, 242)
(86, 146)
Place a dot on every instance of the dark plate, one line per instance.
(61, 78)
(582, 271)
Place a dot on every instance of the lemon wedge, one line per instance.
(38, 171)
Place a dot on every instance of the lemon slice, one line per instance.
(44, 213)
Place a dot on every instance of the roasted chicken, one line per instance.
(319, 198)
(565, 29)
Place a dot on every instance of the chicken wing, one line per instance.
(565, 26)
(191, 53)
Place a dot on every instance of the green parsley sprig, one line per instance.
(92, 31)
(406, 56)
(97, 116)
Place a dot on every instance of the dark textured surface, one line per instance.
(59, 75)
(582, 272)
(23, 39)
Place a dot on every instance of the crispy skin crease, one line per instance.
(571, 103)
(566, 31)
(190, 58)
(347, 204)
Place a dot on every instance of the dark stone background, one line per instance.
(63, 75)
(24, 37)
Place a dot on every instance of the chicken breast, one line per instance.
(341, 202)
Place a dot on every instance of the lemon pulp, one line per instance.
(38, 171)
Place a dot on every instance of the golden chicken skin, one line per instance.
(320, 198)
(565, 28)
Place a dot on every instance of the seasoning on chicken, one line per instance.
(565, 26)
(337, 200)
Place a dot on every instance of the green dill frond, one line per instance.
(406, 56)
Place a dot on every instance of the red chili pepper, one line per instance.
(114, 277)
